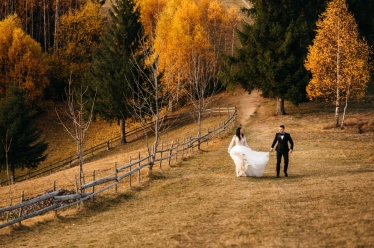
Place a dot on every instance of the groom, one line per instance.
(282, 148)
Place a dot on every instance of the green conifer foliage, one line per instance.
(112, 68)
(20, 134)
(273, 49)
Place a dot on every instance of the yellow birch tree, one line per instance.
(150, 13)
(22, 61)
(179, 25)
(78, 35)
(338, 59)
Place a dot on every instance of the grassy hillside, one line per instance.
(199, 202)
(103, 162)
(327, 200)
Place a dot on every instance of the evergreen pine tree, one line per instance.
(273, 49)
(17, 129)
(362, 11)
(112, 69)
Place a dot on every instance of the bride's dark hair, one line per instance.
(238, 133)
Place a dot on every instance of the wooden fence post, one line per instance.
(107, 145)
(176, 153)
(214, 128)
(191, 144)
(93, 187)
(207, 139)
(54, 189)
(162, 148)
(130, 170)
(219, 130)
(170, 152)
(182, 147)
(76, 189)
(20, 209)
(115, 172)
(139, 166)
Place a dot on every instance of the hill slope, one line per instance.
(326, 201)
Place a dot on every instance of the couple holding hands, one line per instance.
(252, 163)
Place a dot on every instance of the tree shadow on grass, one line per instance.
(282, 177)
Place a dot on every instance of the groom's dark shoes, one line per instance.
(285, 174)
(278, 176)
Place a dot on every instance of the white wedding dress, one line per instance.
(247, 161)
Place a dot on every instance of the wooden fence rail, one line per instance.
(61, 202)
(73, 159)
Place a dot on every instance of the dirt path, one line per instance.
(246, 103)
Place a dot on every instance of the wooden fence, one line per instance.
(132, 134)
(58, 201)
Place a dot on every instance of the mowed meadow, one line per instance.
(327, 200)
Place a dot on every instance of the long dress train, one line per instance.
(247, 161)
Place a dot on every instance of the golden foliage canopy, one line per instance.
(22, 61)
(188, 29)
(150, 12)
(77, 37)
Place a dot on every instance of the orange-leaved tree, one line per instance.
(78, 35)
(180, 22)
(338, 59)
(150, 12)
(22, 61)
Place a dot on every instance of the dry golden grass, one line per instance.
(102, 163)
(327, 201)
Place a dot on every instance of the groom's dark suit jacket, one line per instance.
(282, 145)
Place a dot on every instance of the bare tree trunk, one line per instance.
(202, 76)
(26, 16)
(44, 28)
(200, 110)
(345, 108)
(149, 95)
(12, 174)
(337, 105)
(122, 124)
(280, 107)
(233, 41)
(80, 125)
(80, 159)
(32, 21)
(157, 123)
(154, 146)
(10, 181)
(56, 24)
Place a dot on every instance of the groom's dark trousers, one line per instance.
(282, 149)
(285, 160)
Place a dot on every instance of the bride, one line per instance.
(247, 161)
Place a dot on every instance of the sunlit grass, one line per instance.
(326, 201)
